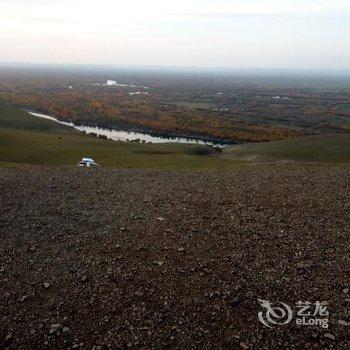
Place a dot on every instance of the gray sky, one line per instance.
(203, 33)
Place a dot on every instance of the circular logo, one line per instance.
(274, 314)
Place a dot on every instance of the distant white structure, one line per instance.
(111, 83)
(279, 97)
(115, 83)
(138, 93)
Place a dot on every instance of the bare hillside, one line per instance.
(160, 259)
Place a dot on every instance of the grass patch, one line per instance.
(325, 148)
(15, 118)
(27, 140)
(29, 147)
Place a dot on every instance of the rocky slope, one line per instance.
(156, 259)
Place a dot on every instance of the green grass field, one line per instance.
(27, 140)
(14, 118)
(325, 149)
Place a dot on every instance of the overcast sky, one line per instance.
(202, 33)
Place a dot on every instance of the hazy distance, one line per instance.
(291, 34)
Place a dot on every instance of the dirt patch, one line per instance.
(162, 259)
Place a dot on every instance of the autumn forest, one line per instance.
(232, 108)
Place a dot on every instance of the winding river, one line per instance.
(122, 135)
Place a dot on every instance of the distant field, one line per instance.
(26, 140)
(327, 148)
(345, 107)
(194, 105)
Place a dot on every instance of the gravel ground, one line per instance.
(161, 259)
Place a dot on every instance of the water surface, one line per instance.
(123, 135)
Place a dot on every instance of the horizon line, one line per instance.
(174, 67)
